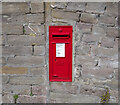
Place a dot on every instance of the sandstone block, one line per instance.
(108, 63)
(72, 89)
(39, 90)
(104, 52)
(15, 8)
(25, 40)
(37, 7)
(67, 98)
(99, 73)
(34, 29)
(107, 42)
(76, 6)
(39, 50)
(112, 9)
(57, 87)
(112, 32)
(107, 20)
(83, 50)
(99, 30)
(58, 14)
(12, 29)
(26, 80)
(91, 90)
(2, 40)
(5, 79)
(29, 99)
(27, 61)
(58, 4)
(14, 70)
(84, 28)
(3, 60)
(28, 18)
(95, 7)
(16, 89)
(91, 39)
(88, 18)
(86, 60)
(37, 71)
(16, 50)
(23, 19)
(113, 84)
(7, 98)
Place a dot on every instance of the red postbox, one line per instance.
(60, 53)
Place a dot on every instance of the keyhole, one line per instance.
(55, 59)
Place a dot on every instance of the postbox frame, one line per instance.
(71, 58)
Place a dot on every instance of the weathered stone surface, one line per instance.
(88, 18)
(108, 63)
(57, 87)
(59, 14)
(67, 98)
(2, 40)
(39, 90)
(58, 4)
(113, 84)
(107, 42)
(83, 50)
(99, 30)
(26, 61)
(37, 7)
(95, 7)
(16, 50)
(86, 60)
(12, 29)
(26, 80)
(91, 90)
(112, 32)
(31, 99)
(67, 88)
(112, 9)
(104, 52)
(91, 39)
(72, 89)
(23, 19)
(16, 89)
(3, 60)
(14, 70)
(5, 79)
(107, 20)
(25, 40)
(34, 29)
(99, 73)
(76, 6)
(84, 28)
(15, 8)
(39, 50)
(7, 98)
(37, 71)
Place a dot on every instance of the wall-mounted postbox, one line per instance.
(60, 53)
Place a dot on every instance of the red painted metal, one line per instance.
(60, 68)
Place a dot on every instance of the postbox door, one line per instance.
(61, 62)
(60, 53)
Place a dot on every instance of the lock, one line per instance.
(60, 53)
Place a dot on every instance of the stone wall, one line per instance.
(25, 45)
